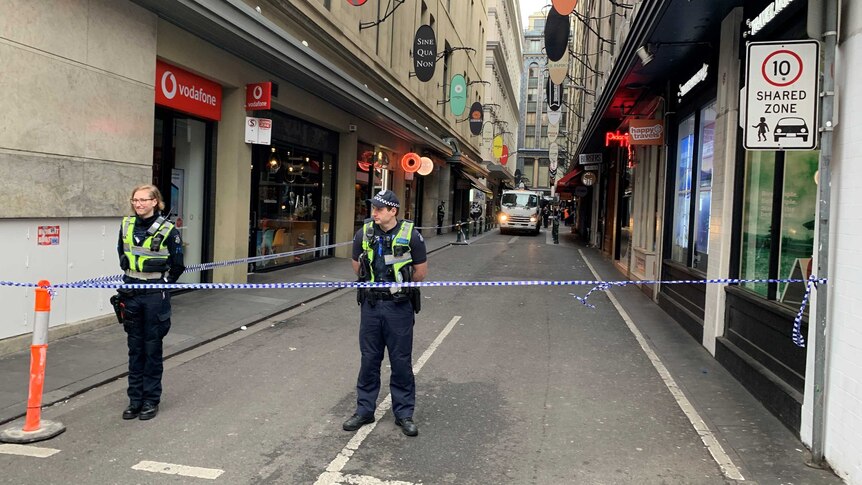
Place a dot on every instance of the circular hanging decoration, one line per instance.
(504, 157)
(426, 167)
(477, 116)
(411, 162)
(424, 53)
(564, 7)
(557, 30)
(356, 3)
(554, 117)
(458, 95)
(498, 146)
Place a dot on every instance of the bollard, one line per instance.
(35, 428)
(467, 232)
(473, 225)
(555, 230)
(481, 225)
(457, 232)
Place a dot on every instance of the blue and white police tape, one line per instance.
(797, 336)
(219, 264)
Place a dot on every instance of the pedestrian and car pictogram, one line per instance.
(780, 98)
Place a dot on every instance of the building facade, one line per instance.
(145, 91)
(693, 204)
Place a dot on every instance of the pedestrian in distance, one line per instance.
(387, 250)
(441, 213)
(151, 252)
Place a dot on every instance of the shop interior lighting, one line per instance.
(274, 163)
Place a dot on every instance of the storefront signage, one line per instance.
(766, 15)
(424, 53)
(590, 158)
(411, 162)
(458, 95)
(646, 132)
(557, 29)
(553, 152)
(588, 178)
(553, 95)
(477, 118)
(258, 96)
(258, 130)
(553, 132)
(497, 146)
(504, 157)
(554, 117)
(48, 236)
(699, 77)
(616, 137)
(183, 91)
(564, 7)
(558, 70)
(780, 101)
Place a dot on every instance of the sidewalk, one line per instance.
(81, 362)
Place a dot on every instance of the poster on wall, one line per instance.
(177, 194)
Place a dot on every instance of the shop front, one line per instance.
(188, 108)
(292, 193)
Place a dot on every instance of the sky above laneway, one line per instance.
(531, 6)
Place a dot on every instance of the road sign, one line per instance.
(781, 97)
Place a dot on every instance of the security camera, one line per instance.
(351, 128)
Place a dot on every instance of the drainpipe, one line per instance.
(829, 38)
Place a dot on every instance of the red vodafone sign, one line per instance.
(183, 91)
(258, 96)
(504, 157)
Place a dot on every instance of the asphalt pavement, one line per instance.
(515, 385)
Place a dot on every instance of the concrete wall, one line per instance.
(77, 104)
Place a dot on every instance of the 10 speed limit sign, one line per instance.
(781, 97)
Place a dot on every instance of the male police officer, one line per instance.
(387, 250)
(151, 251)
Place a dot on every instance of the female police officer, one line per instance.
(151, 251)
(387, 250)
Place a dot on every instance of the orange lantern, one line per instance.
(411, 162)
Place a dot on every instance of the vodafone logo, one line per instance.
(257, 92)
(168, 76)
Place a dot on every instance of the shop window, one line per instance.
(778, 219)
(693, 189)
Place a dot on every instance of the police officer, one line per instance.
(151, 251)
(387, 250)
(441, 213)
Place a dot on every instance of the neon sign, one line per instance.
(621, 138)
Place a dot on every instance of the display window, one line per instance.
(292, 203)
(778, 220)
(693, 188)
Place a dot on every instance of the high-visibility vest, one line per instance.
(146, 257)
(401, 239)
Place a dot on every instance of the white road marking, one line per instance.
(706, 435)
(23, 450)
(340, 478)
(182, 470)
(333, 475)
(511, 241)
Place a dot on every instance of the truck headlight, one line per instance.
(503, 217)
(533, 219)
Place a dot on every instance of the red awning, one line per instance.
(570, 180)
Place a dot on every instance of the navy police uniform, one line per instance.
(387, 318)
(151, 251)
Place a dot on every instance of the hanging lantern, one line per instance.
(411, 162)
(426, 167)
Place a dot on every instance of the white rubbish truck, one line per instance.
(519, 211)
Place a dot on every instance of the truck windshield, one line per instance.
(520, 200)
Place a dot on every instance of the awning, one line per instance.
(570, 179)
(499, 172)
(475, 183)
